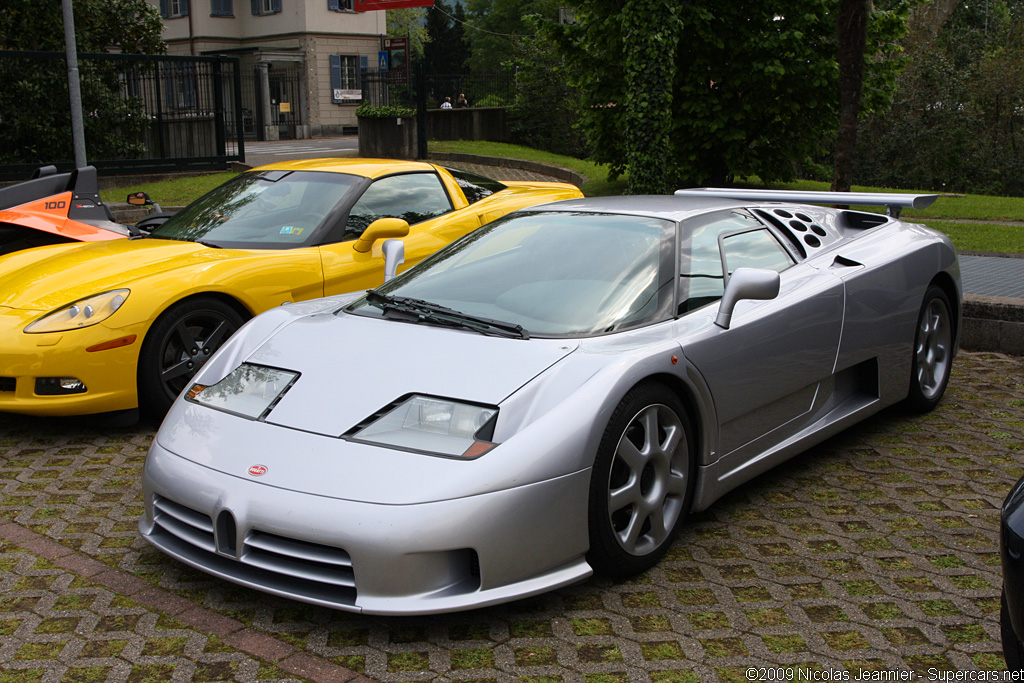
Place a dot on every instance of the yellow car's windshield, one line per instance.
(261, 210)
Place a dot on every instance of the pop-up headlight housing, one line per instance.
(435, 426)
(83, 313)
(248, 391)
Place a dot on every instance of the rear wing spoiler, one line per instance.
(893, 203)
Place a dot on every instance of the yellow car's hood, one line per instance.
(49, 277)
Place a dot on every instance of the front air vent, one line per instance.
(8, 383)
(287, 566)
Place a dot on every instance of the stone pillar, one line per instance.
(269, 130)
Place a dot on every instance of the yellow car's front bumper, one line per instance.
(108, 375)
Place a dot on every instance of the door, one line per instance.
(764, 371)
(418, 198)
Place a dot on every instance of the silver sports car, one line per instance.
(547, 397)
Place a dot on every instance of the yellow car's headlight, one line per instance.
(82, 313)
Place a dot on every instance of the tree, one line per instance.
(34, 117)
(494, 26)
(408, 22)
(957, 122)
(446, 50)
(132, 26)
(703, 91)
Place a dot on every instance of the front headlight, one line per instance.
(249, 390)
(436, 426)
(82, 313)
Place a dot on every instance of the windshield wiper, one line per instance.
(418, 310)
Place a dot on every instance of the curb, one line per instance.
(993, 323)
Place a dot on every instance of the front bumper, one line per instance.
(109, 376)
(1011, 549)
(363, 557)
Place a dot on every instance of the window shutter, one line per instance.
(336, 79)
(164, 9)
(184, 8)
(275, 5)
(334, 4)
(364, 63)
(255, 6)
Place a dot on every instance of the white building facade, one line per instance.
(300, 59)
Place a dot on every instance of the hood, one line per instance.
(46, 278)
(352, 366)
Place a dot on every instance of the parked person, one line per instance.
(447, 104)
(462, 102)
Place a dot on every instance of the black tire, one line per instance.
(645, 462)
(177, 345)
(1013, 649)
(932, 359)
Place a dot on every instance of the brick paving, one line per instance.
(874, 550)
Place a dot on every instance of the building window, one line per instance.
(340, 5)
(345, 88)
(170, 9)
(222, 8)
(266, 6)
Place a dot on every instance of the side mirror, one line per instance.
(382, 228)
(139, 199)
(394, 256)
(746, 283)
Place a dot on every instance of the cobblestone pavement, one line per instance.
(875, 550)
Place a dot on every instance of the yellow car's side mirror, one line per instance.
(382, 228)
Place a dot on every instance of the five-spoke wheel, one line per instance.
(177, 345)
(642, 481)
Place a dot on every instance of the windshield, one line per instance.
(261, 210)
(553, 273)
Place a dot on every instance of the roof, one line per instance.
(368, 168)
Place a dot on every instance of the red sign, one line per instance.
(370, 5)
(258, 470)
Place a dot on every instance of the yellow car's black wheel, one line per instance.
(177, 345)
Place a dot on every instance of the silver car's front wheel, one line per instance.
(933, 351)
(642, 481)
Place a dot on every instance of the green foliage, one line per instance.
(447, 49)
(546, 108)
(387, 111)
(696, 93)
(494, 26)
(130, 25)
(35, 121)
(957, 123)
(408, 22)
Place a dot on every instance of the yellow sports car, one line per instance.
(112, 326)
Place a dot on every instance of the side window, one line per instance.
(755, 249)
(701, 280)
(415, 197)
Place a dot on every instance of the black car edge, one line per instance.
(1011, 548)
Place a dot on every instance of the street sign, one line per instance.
(383, 61)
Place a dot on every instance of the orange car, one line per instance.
(53, 208)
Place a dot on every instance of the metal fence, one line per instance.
(399, 88)
(143, 113)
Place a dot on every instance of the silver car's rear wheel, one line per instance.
(933, 351)
(642, 481)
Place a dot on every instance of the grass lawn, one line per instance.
(983, 235)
